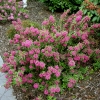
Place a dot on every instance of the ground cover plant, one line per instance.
(53, 58)
(11, 10)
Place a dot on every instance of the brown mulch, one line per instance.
(85, 90)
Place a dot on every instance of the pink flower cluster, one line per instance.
(49, 21)
(47, 75)
(48, 52)
(71, 83)
(55, 89)
(10, 9)
(27, 43)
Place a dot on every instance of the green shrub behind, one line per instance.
(61, 5)
(92, 9)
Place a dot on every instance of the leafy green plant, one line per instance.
(50, 98)
(92, 9)
(11, 32)
(61, 5)
(96, 65)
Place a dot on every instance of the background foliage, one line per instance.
(61, 5)
(92, 9)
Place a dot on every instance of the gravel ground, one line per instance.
(84, 90)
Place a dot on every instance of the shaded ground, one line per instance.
(84, 90)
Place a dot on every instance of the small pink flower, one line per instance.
(31, 52)
(78, 18)
(72, 81)
(70, 48)
(26, 16)
(64, 14)
(57, 74)
(76, 48)
(42, 64)
(13, 52)
(84, 36)
(6, 54)
(30, 81)
(86, 57)
(12, 17)
(46, 92)
(37, 98)
(31, 67)
(17, 36)
(31, 61)
(43, 83)
(37, 63)
(36, 85)
(51, 19)
(66, 39)
(74, 53)
(45, 22)
(7, 85)
(30, 75)
(86, 42)
(35, 56)
(71, 63)
(10, 72)
(27, 43)
(22, 68)
(47, 77)
(24, 79)
(97, 51)
(57, 89)
(52, 90)
(57, 67)
(77, 58)
(70, 85)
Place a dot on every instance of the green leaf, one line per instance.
(94, 19)
(85, 11)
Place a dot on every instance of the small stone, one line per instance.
(0, 27)
(1, 61)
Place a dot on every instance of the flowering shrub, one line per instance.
(53, 58)
(11, 10)
(25, 23)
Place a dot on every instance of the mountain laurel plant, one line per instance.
(11, 10)
(53, 58)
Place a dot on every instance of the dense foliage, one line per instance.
(11, 10)
(92, 9)
(53, 58)
(61, 5)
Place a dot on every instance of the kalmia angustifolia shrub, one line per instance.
(49, 59)
(11, 10)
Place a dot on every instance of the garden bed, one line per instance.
(85, 90)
